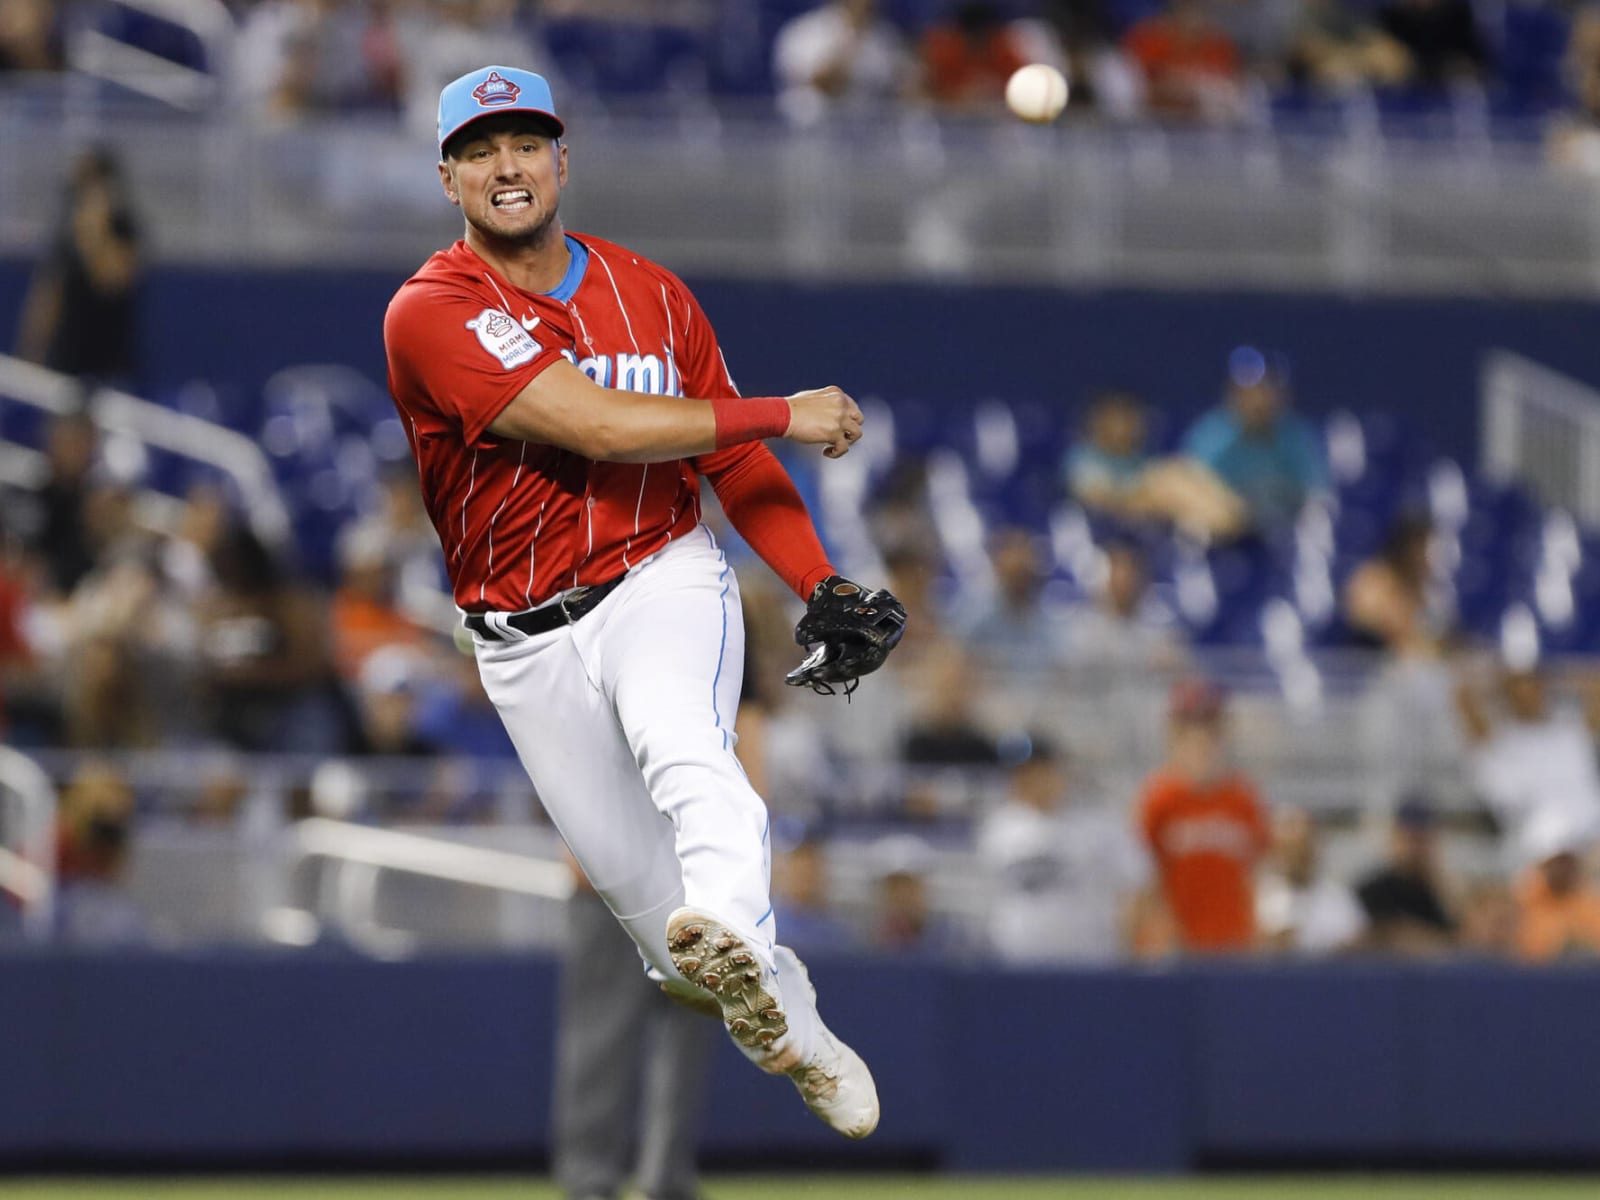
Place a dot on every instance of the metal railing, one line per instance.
(99, 55)
(154, 425)
(356, 857)
(27, 822)
(1541, 428)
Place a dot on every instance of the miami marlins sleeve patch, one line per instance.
(504, 338)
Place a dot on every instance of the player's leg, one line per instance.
(587, 780)
(671, 657)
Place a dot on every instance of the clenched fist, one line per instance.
(827, 417)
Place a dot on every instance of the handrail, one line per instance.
(30, 873)
(165, 428)
(360, 853)
(1543, 428)
(436, 858)
(99, 54)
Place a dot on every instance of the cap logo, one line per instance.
(496, 91)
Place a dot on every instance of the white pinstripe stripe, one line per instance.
(527, 592)
(621, 308)
(644, 473)
(501, 294)
(472, 482)
(489, 570)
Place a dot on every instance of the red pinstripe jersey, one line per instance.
(519, 521)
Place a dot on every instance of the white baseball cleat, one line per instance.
(831, 1078)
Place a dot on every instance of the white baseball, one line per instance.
(1037, 93)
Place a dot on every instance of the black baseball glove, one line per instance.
(849, 631)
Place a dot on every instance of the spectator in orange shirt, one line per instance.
(1206, 831)
(1190, 65)
(1560, 906)
(967, 58)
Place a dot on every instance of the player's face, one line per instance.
(507, 181)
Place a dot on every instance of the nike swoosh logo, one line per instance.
(529, 323)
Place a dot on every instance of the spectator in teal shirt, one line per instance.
(1272, 458)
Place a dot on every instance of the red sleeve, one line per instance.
(756, 493)
(762, 503)
(454, 355)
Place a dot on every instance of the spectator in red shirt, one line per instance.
(1191, 67)
(1206, 831)
(967, 58)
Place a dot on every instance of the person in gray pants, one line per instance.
(630, 1068)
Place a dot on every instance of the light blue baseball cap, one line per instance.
(489, 91)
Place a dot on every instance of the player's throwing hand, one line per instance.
(824, 416)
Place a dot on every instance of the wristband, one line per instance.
(751, 419)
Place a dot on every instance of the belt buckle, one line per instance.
(572, 597)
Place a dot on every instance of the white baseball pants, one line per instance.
(624, 722)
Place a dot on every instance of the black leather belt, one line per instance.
(578, 602)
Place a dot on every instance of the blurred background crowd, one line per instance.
(1201, 60)
(1250, 683)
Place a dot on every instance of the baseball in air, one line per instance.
(1037, 93)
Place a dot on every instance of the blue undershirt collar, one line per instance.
(568, 287)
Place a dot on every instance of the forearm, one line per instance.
(563, 407)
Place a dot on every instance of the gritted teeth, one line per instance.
(511, 198)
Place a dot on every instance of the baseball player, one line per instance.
(563, 396)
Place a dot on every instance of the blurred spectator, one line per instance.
(1191, 67)
(1261, 30)
(1270, 456)
(1299, 908)
(801, 899)
(898, 511)
(1206, 830)
(1013, 630)
(946, 729)
(1077, 36)
(457, 713)
(1489, 921)
(1441, 37)
(1404, 904)
(299, 58)
(1531, 758)
(839, 56)
(1125, 634)
(388, 683)
(904, 921)
(185, 555)
(447, 38)
(80, 316)
(94, 824)
(1109, 472)
(1394, 598)
(59, 533)
(363, 616)
(409, 545)
(128, 654)
(1559, 904)
(1575, 138)
(1064, 875)
(968, 56)
(266, 666)
(24, 691)
(30, 37)
(1337, 49)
